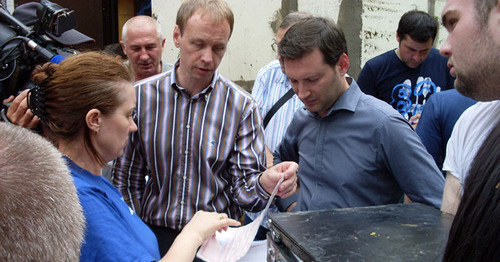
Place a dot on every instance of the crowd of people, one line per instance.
(185, 152)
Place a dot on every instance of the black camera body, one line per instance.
(35, 33)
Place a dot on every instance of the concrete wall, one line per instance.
(370, 28)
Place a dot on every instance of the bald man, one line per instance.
(143, 43)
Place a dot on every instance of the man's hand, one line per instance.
(270, 178)
(18, 112)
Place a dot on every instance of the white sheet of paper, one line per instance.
(233, 244)
(256, 253)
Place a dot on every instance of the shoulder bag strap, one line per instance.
(277, 106)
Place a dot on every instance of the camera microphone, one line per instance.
(44, 53)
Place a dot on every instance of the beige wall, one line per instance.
(370, 27)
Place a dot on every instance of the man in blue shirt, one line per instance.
(352, 149)
(408, 75)
(440, 114)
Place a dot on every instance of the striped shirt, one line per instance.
(201, 152)
(270, 85)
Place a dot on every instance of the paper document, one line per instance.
(233, 244)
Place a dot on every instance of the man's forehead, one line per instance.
(143, 38)
(409, 42)
(203, 18)
(452, 5)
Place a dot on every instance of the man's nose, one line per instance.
(445, 50)
(143, 54)
(207, 55)
(301, 91)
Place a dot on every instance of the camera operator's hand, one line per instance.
(18, 112)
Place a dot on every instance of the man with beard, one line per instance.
(473, 48)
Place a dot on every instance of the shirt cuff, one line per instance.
(284, 203)
(260, 190)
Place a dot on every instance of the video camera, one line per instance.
(33, 34)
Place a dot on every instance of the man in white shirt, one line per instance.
(473, 48)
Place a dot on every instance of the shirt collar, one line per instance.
(348, 100)
(205, 92)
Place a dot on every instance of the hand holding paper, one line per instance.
(285, 170)
(201, 227)
(234, 243)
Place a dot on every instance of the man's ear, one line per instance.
(123, 47)
(177, 36)
(163, 43)
(397, 38)
(343, 64)
(93, 120)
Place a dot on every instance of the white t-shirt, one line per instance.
(467, 137)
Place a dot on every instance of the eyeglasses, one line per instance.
(274, 46)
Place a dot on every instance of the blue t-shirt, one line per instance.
(407, 89)
(440, 114)
(113, 231)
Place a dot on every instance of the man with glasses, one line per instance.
(271, 84)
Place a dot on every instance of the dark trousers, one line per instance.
(165, 237)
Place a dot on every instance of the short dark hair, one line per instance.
(474, 232)
(419, 25)
(310, 33)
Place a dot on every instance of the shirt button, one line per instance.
(185, 152)
(182, 202)
(188, 126)
(184, 177)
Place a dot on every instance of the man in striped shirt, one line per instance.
(200, 137)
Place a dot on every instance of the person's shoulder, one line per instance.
(477, 119)
(448, 96)
(382, 58)
(85, 183)
(152, 80)
(271, 66)
(445, 95)
(376, 106)
(235, 89)
(482, 109)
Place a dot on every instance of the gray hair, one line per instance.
(140, 19)
(293, 18)
(41, 218)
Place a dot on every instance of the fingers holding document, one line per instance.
(287, 170)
